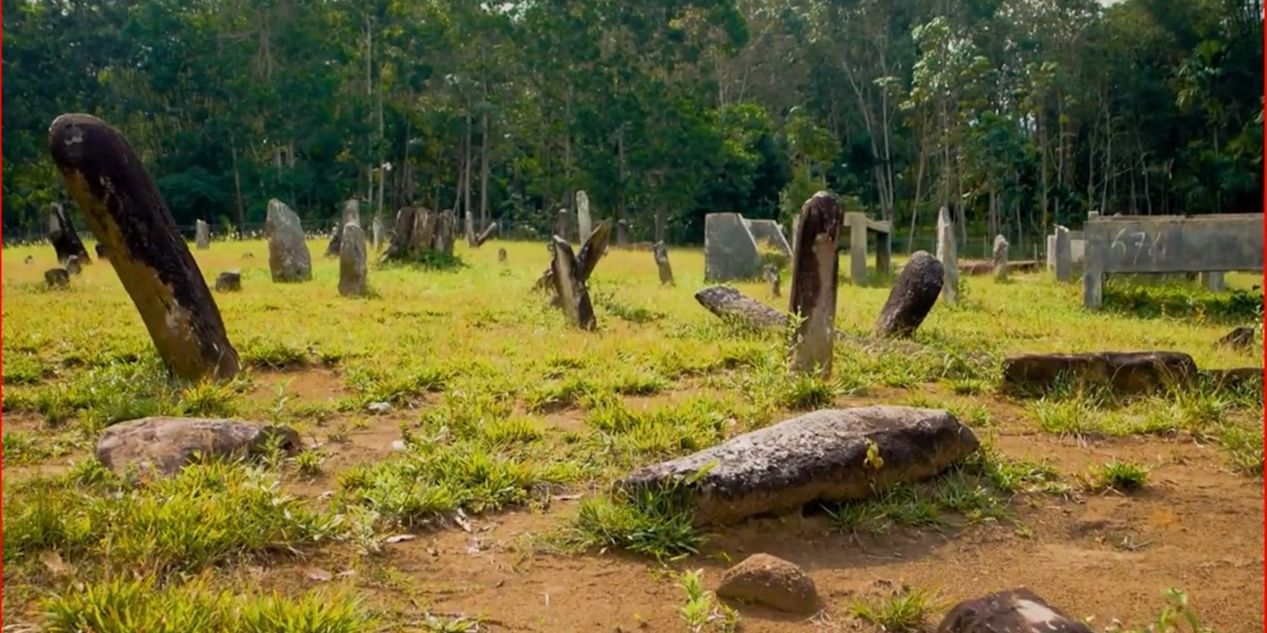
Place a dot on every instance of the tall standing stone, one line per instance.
(402, 234)
(1064, 255)
(352, 213)
(912, 297)
(1000, 257)
(352, 264)
(662, 262)
(772, 277)
(376, 231)
(573, 295)
(63, 236)
(202, 235)
(948, 255)
(584, 223)
(336, 241)
(73, 266)
(125, 212)
(622, 233)
(288, 256)
(501, 256)
(563, 225)
(814, 277)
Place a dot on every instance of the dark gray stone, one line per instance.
(730, 252)
(999, 257)
(168, 444)
(584, 222)
(821, 456)
(734, 306)
(352, 262)
(288, 256)
(772, 277)
(62, 234)
(815, 273)
(229, 281)
(336, 241)
(1122, 372)
(1013, 611)
(73, 265)
(570, 287)
(1241, 338)
(912, 297)
(661, 254)
(202, 235)
(56, 278)
(487, 234)
(501, 256)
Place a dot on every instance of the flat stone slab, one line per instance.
(821, 456)
(1013, 611)
(1123, 372)
(168, 444)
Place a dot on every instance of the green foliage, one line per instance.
(1175, 617)
(906, 611)
(648, 521)
(701, 611)
(1183, 301)
(1120, 476)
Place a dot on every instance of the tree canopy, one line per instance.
(1016, 114)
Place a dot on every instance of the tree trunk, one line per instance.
(484, 174)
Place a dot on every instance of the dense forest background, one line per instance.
(1016, 114)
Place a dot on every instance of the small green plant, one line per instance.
(906, 611)
(1175, 617)
(1120, 476)
(650, 521)
(701, 611)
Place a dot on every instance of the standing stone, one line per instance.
(912, 297)
(352, 265)
(376, 232)
(572, 293)
(772, 277)
(56, 278)
(73, 266)
(661, 253)
(124, 210)
(488, 232)
(584, 223)
(622, 234)
(103, 251)
(814, 278)
(202, 235)
(446, 232)
(1064, 255)
(402, 234)
(1014, 611)
(501, 256)
(948, 255)
(28, 260)
(352, 212)
(288, 256)
(1213, 281)
(336, 242)
(63, 236)
(229, 281)
(857, 247)
(563, 225)
(730, 251)
(1000, 257)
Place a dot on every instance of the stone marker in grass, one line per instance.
(73, 266)
(1013, 611)
(56, 278)
(336, 241)
(352, 262)
(1064, 254)
(592, 251)
(828, 456)
(584, 222)
(501, 256)
(229, 281)
(377, 230)
(569, 285)
(814, 280)
(1240, 338)
(124, 210)
(999, 258)
(352, 212)
(202, 235)
(948, 255)
(166, 445)
(485, 235)
(1121, 372)
(912, 297)
(288, 256)
(771, 274)
(62, 234)
(623, 237)
(661, 254)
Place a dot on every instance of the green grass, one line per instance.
(1120, 476)
(701, 610)
(906, 611)
(649, 522)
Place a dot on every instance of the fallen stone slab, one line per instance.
(1013, 611)
(770, 581)
(168, 444)
(1239, 338)
(1122, 372)
(821, 456)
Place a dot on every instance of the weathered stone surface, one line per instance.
(768, 232)
(1064, 256)
(623, 236)
(584, 222)
(62, 234)
(772, 582)
(352, 262)
(56, 278)
(377, 232)
(446, 232)
(999, 258)
(168, 444)
(352, 212)
(501, 256)
(814, 281)
(912, 297)
(288, 256)
(948, 255)
(591, 252)
(772, 277)
(125, 212)
(731, 305)
(402, 234)
(336, 241)
(229, 281)
(1013, 611)
(1235, 378)
(487, 234)
(1239, 338)
(1124, 372)
(570, 286)
(661, 254)
(730, 252)
(821, 456)
(563, 224)
(202, 235)
(73, 266)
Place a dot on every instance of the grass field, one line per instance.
(479, 501)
